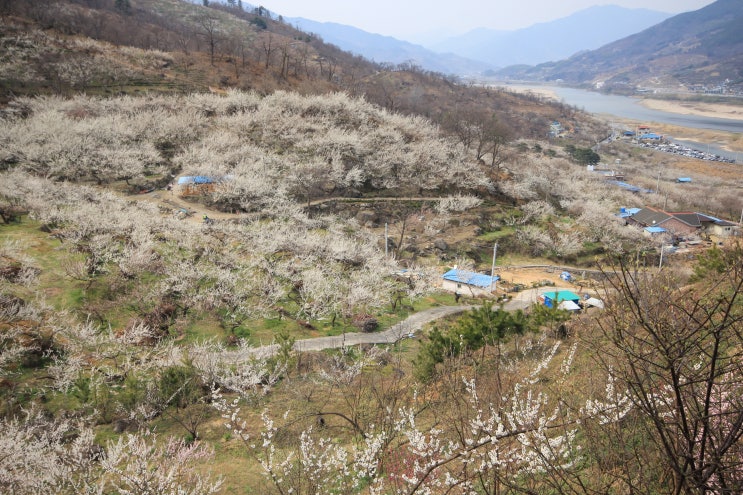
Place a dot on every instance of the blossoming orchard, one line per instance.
(143, 350)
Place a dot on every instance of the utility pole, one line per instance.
(386, 239)
(660, 264)
(657, 185)
(492, 269)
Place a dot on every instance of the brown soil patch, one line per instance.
(728, 140)
(533, 276)
(721, 170)
(169, 201)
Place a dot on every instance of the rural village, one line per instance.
(235, 258)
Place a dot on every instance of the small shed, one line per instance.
(652, 230)
(553, 299)
(595, 302)
(476, 284)
(569, 305)
(195, 184)
(718, 226)
(627, 212)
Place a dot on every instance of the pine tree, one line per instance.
(123, 6)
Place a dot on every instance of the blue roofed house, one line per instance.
(475, 284)
(651, 136)
(683, 224)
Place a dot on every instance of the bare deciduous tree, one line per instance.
(210, 31)
(677, 350)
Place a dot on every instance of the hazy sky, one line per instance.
(405, 19)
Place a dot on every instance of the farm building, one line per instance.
(679, 224)
(563, 299)
(650, 136)
(556, 129)
(651, 231)
(627, 212)
(593, 302)
(474, 284)
(190, 185)
(195, 184)
(720, 227)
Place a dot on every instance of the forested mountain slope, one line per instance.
(699, 48)
(172, 46)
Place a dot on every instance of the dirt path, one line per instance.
(380, 199)
(193, 212)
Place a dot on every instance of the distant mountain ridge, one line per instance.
(700, 50)
(386, 49)
(483, 49)
(584, 30)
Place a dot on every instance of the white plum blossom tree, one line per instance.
(504, 440)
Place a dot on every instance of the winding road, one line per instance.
(404, 329)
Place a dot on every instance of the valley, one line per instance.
(236, 259)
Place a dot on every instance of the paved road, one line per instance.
(397, 332)
(412, 324)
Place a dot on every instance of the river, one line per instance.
(627, 107)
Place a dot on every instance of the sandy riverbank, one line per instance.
(703, 109)
(535, 90)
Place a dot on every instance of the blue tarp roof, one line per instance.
(195, 179)
(562, 295)
(628, 187)
(655, 230)
(628, 212)
(470, 278)
(684, 179)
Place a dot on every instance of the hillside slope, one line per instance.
(173, 46)
(700, 48)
